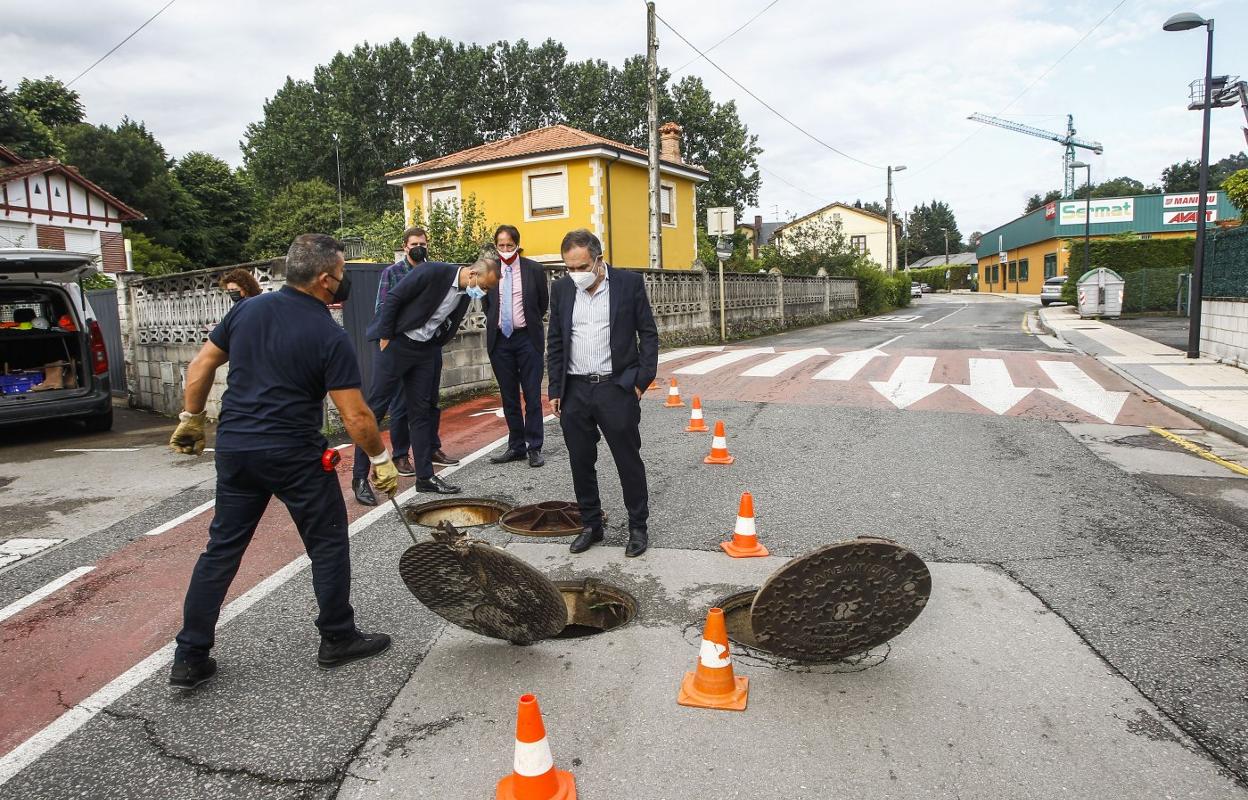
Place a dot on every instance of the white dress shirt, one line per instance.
(426, 331)
(591, 331)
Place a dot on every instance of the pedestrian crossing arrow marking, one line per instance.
(1074, 386)
(911, 381)
(991, 385)
(847, 366)
(772, 368)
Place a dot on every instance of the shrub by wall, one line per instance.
(1127, 255)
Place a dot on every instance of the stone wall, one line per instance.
(1224, 331)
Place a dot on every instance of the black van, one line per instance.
(53, 363)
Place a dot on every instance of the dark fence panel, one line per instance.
(1226, 263)
(104, 304)
(357, 313)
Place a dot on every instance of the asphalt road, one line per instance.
(1131, 548)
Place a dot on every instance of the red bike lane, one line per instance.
(67, 646)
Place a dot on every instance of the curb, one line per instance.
(1216, 424)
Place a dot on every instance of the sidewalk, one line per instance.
(1214, 394)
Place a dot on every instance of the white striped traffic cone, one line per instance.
(696, 423)
(745, 542)
(534, 776)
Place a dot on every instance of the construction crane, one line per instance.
(1225, 91)
(1068, 140)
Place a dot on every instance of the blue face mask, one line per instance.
(475, 292)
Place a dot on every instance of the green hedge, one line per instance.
(1125, 256)
(877, 292)
(959, 277)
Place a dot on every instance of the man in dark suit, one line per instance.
(602, 352)
(419, 316)
(515, 340)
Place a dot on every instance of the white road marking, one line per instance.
(1074, 386)
(99, 450)
(890, 341)
(945, 317)
(1053, 342)
(685, 352)
(13, 550)
(847, 366)
(772, 368)
(730, 357)
(178, 520)
(34, 597)
(63, 726)
(489, 412)
(911, 381)
(991, 385)
(891, 318)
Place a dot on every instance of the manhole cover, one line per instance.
(594, 607)
(839, 600)
(552, 518)
(481, 588)
(466, 512)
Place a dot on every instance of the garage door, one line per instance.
(17, 234)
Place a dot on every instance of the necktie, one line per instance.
(504, 304)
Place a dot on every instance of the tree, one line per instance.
(1236, 187)
(1184, 176)
(1036, 201)
(223, 205)
(1118, 187)
(23, 132)
(871, 206)
(382, 235)
(818, 243)
(150, 258)
(925, 235)
(972, 241)
(457, 233)
(303, 207)
(715, 139)
(50, 100)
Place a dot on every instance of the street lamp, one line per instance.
(1087, 216)
(1185, 21)
(888, 236)
(338, 162)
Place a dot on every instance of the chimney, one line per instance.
(669, 142)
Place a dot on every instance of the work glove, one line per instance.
(188, 437)
(386, 476)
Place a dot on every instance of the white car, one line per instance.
(1051, 292)
(916, 290)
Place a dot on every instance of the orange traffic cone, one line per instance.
(696, 423)
(534, 776)
(673, 396)
(744, 542)
(712, 684)
(654, 384)
(719, 447)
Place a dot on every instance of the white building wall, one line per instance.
(1224, 331)
(852, 224)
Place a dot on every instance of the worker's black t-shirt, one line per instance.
(286, 352)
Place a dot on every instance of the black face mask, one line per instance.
(235, 296)
(344, 289)
(418, 253)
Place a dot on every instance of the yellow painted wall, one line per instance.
(500, 196)
(1034, 253)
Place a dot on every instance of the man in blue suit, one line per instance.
(602, 353)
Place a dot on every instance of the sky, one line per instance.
(886, 82)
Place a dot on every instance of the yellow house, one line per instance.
(551, 180)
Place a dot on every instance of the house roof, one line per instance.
(549, 140)
(766, 234)
(8, 155)
(38, 166)
(955, 260)
(830, 206)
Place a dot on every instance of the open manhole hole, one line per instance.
(551, 518)
(461, 512)
(595, 607)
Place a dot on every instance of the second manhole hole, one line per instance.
(595, 607)
(460, 512)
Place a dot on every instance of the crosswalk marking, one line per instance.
(991, 385)
(723, 360)
(685, 352)
(1074, 386)
(910, 382)
(13, 550)
(772, 368)
(847, 366)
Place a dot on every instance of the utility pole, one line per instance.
(652, 118)
(889, 265)
(338, 162)
(946, 230)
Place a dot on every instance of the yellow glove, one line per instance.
(386, 476)
(188, 437)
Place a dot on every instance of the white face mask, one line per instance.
(509, 258)
(583, 280)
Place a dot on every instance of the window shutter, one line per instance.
(444, 195)
(546, 194)
(665, 204)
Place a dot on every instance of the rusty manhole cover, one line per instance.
(462, 512)
(840, 600)
(552, 518)
(484, 589)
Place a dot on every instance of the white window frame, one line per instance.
(855, 240)
(429, 188)
(664, 186)
(552, 169)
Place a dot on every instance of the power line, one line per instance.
(119, 44)
(726, 38)
(764, 103)
(792, 185)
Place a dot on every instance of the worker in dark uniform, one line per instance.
(285, 353)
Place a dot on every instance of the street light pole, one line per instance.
(889, 266)
(1087, 216)
(339, 165)
(1183, 22)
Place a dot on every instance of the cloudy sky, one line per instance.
(891, 81)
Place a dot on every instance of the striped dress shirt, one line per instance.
(591, 332)
(512, 273)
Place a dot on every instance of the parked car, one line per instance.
(925, 287)
(55, 365)
(916, 290)
(1051, 292)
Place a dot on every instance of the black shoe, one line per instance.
(588, 538)
(443, 460)
(536, 459)
(638, 540)
(404, 465)
(361, 646)
(363, 492)
(436, 484)
(190, 674)
(511, 454)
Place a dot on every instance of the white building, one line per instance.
(50, 205)
(864, 231)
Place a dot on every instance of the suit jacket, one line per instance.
(413, 300)
(634, 336)
(535, 295)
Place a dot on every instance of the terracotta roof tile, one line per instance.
(555, 138)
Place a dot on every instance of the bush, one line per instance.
(457, 234)
(1127, 255)
(1236, 188)
(959, 277)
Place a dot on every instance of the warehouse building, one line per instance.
(1018, 256)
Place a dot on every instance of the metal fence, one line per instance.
(104, 304)
(1226, 264)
